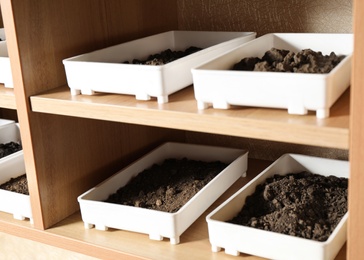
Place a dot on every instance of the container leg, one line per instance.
(232, 252)
(215, 248)
(101, 227)
(174, 240)
(18, 217)
(142, 96)
(87, 92)
(202, 105)
(221, 105)
(323, 113)
(88, 226)
(155, 237)
(297, 110)
(75, 92)
(162, 99)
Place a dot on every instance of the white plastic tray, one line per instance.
(10, 133)
(237, 238)
(103, 71)
(160, 224)
(5, 70)
(4, 122)
(12, 202)
(2, 34)
(215, 83)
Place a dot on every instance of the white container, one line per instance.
(10, 133)
(156, 223)
(103, 71)
(237, 238)
(4, 122)
(2, 34)
(5, 69)
(215, 83)
(12, 202)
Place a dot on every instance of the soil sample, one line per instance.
(279, 60)
(9, 148)
(164, 57)
(305, 205)
(168, 186)
(18, 184)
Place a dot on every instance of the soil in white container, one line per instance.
(280, 60)
(304, 204)
(18, 184)
(9, 148)
(168, 186)
(165, 56)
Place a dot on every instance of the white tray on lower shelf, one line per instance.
(216, 83)
(237, 238)
(160, 224)
(12, 202)
(10, 133)
(103, 70)
(5, 69)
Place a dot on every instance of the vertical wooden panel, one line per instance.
(356, 183)
(64, 156)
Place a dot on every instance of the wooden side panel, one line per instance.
(65, 156)
(356, 183)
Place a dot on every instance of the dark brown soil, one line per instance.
(304, 205)
(278, 60)
(9, 148)
(165, 57)
(168, 186)
(18, 184)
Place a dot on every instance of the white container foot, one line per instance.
(87, 92)
(221, 105)
(101, 227)
(297, 110)
(88, 226)
(215, 248)
(174, 240)
(162, 99)
(323, 113)
(18, 217)
(155, 237)
(31, 220)
(202, 105)
(232, 252)
(142, 97)
(75, 92)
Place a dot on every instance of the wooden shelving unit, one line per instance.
(72, 143)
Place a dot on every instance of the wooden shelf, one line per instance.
(7, 97)
(117, 244)
(181, 113)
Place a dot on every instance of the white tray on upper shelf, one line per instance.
(12, 202)
(237, 238)
(10, 133)
(104, 71)
(215, 83)
(158, 224)
(5, 69)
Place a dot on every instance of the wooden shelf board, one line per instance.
(181, 113)
(70, 234)
(7, 97)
